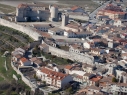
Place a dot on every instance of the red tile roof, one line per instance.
(97, 78)
(68, 67)
(22, 6)
(24, 59)
(74, 8)
(53, 74)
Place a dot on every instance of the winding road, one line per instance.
(93, 14)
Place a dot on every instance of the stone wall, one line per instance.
(72, 56)
(24, 79)
(27, 30)
(54, 51)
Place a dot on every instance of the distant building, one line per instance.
(36, 12)
(53, 78)
(113, 12)
(42, 27)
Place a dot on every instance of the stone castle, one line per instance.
(35, 12)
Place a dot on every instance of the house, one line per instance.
(83, 34)
(53, 78)
(69, 34)
(77, 78)
(105, 81)
(77, 9)
(76, 48)
(112, 11)
(16, 58)
(25, 62)
(76, 72)
(91, 90)
(37, 62)
(44, 47)
(97, 51)
(123, 35)
(86, 78)
(86, 45)
(117, 22)
(42, 27)
(74, 69)
(67, 68)
(18, 51)
(120, 87)
(95, 80)
(56, 31)
(124, 55)
(87, 68)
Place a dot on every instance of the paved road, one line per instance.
(95, 12)
(56, 24)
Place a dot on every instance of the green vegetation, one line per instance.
(7, 8)
(54, 59)
(114, 79)
(80, 21)
(6, 78)
(57, 60)
(11, 38)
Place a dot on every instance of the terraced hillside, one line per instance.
(10, 39)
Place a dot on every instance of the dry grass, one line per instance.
(83, 3)
(6, 8)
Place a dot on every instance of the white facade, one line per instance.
(56, 31)
(86, 45)
(117, 23)
(119, 88)
(69, 34)
(54, 80)
(43, 28)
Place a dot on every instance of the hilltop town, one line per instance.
(74, 52)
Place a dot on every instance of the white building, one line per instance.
(42, 27)
(53, 78)
(56, 31)
(69, 34)
(76, 48)
(117, 22)
(72, 34)
(86, 45)
(120, 87)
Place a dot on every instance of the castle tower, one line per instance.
(54, 13)
(65, 19)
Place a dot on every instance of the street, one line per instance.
(93, 14)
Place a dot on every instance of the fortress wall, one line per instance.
(72, 56)
(23, 29)
(54, 51)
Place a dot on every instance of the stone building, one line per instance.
(36, 12)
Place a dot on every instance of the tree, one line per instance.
(114, 79)
(69, 90)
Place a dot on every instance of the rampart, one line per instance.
(55, 51)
